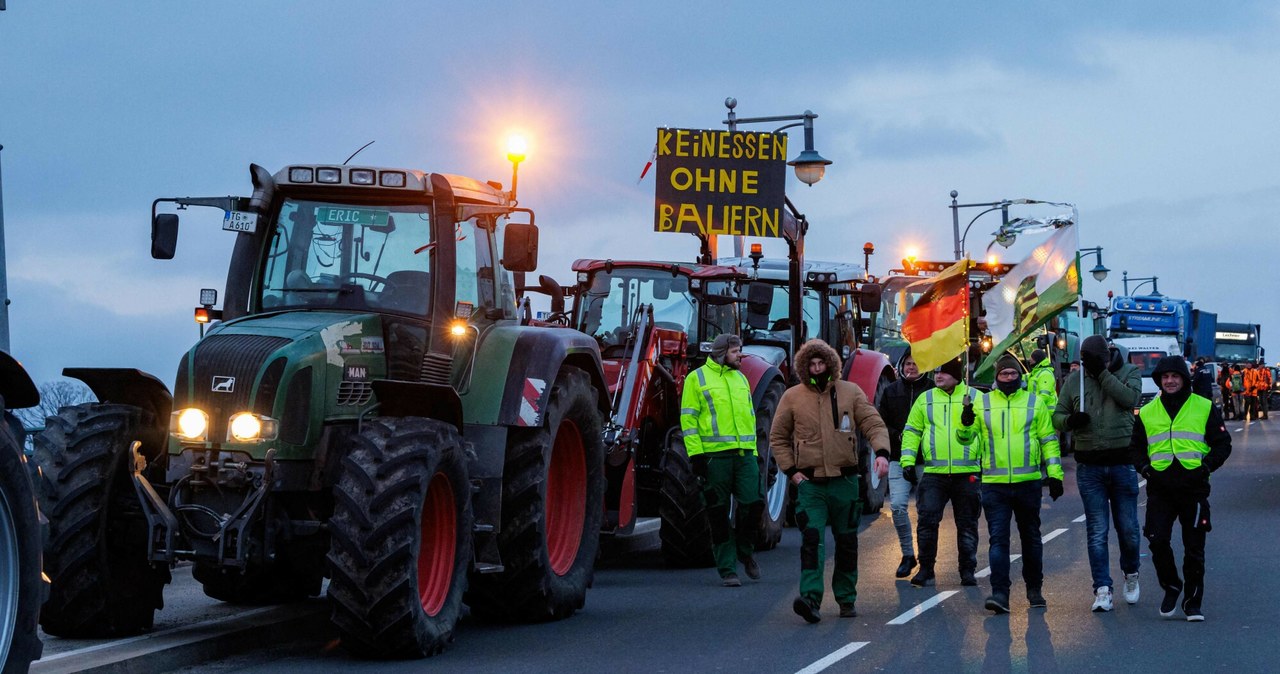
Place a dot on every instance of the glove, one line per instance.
(699, 465)
(1078, 420)
(909, 474)
(1055, 487)
(1147, 471)
(967, 417)
(1093, 363)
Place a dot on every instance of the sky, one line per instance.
(1157, 119)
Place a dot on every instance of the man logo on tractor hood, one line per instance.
(222, 384)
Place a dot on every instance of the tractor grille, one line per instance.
(1145, 398)
(234, 362)
(354, 392)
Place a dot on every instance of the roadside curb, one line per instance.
(193, 644)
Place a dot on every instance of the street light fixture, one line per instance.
(1153, 280)
(809, 165)
(1099, 271)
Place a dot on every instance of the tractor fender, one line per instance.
(15, 384)
(418, 399)
(536, 358)
(759, 374)
(865, 368)
(128, 386)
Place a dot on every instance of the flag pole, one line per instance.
(1081, 303)
(968, 307)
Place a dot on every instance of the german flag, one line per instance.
(937, 326)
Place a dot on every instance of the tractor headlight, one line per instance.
(250, 427)
(189, 424)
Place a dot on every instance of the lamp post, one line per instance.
(1002, 206)
(1153, 280)
(1099, 271)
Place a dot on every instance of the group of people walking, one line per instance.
(1246, 390)
(987, 453)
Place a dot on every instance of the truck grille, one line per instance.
(1145, 398)
(354, 392)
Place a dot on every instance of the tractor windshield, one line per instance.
(364, 258)
(611, 302)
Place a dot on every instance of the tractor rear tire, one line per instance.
(874, 491)
(21, 586)
(96, 554)
(774, 481)
(400, 538)
(552, 508)
(686, 530)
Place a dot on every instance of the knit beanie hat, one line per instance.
(953, 367)
(1009, 360)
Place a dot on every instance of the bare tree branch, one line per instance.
(54, 395)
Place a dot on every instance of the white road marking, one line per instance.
(987, 571)
(1052, 535)
(844, 652)
(1142, 484)
(117, 642)
(1082, 517)
(919, 608)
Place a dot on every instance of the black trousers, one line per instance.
(963, 490)
(1185, 504)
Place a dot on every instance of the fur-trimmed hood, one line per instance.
(815, 348)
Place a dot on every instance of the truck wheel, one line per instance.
(775, 482)
(400, 538)
(96, 555)
(685, 530)
(552, 507)
(21, 587)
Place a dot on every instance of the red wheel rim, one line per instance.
(566, 497)
(438, 548)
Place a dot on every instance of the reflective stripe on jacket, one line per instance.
(1016, 437)
(1181, 438)
(929, 438)
(1041, 382)
(716, 411)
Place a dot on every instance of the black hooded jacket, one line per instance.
(895, 405)
(1215, 434)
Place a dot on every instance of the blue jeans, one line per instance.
(1000, 503)
(899, 495)
(1114, 489)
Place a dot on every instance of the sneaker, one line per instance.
(923, 577)
(1170, 602)
(1131, 589)
(1036, 598)
(967, 579)
(847, 611)
(1102, 599)
(1192, 611)
(731, 580)
(904, 569)
(998, 602)
(752, 568)
(806, 609)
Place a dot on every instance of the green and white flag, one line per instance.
(1032, 292)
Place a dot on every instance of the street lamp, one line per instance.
(1153, 280)
(1099, 272)
(809, 165)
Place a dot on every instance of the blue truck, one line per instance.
(1195, 330)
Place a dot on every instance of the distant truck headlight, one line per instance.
(189, 424)
(250, 427)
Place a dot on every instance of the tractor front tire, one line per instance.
(773, 480)
(685, 530)
(21, 586)
(96, 554)
(552, 508)
(400, 538)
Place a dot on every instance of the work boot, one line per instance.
(1036, 598)
(1170, 602)
(806, 609)
(731, 580)
(1131, 589)
(904, 569)
(847, 611)
(1102, 601)
(752, 568)
(998, 602)
(923, 577)
(967, 579)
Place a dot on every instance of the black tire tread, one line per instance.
(686, 531)
(770, 533)
(19, 494)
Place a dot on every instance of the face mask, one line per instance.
(1009, 387)
(820, 380)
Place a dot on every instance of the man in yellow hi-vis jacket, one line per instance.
(1018, 448)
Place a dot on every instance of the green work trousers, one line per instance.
(834, 502)
(735, 474)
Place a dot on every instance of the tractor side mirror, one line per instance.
(549, 286)
(759, 304)
(164, 236)
(520, 247)
(869, 296)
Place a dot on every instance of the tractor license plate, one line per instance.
(239, 221)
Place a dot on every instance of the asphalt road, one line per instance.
(642, 617)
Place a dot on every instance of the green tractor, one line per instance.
(22, 587)
(366, 407)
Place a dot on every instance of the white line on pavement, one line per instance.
(1052, 535)
(1142, 484)
(844, 652)
(162, 633)
(920, 608)
(1082, 517)
(987, 571)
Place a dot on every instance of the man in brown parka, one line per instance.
(815, 444)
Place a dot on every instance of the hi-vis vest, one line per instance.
(1181, 438)
(716, 411)
(1016, 433)
(929, 438)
